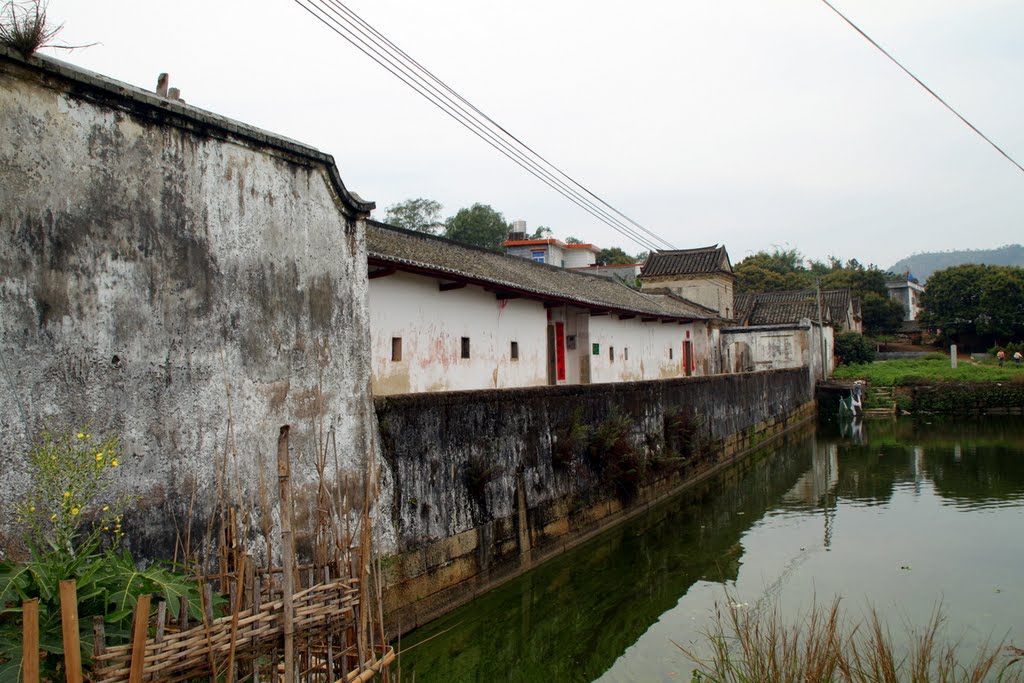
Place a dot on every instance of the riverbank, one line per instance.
(932, 385)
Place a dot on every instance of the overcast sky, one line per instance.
(749, 123)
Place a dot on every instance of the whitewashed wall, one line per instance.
(431, 324)
(778, 347)
(631, 350)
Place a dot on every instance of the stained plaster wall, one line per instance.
(715, 291)
(182, 281)
(431, 324)
(647, 345)
(772, 347)
(481, 492)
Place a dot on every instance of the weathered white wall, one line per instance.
(647, 347)
(180, 281)
(715, 291)
(432, 323)
(781, 346)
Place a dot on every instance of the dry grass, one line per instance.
(23, 26)
(759, 647)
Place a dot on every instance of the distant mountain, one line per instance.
(922, 266)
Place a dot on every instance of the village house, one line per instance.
(552, 251)
(907, 292)
(837, 306)
(703, 275)
(446, 316)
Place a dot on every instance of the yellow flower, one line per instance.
(80, 435)
(31, 508)
(67, 494)
(87, 435)
(53, 516)
(99, 456)
(113, 463)
(106, 507)
(74, 511)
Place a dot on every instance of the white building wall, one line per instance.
(579, 258)
(431, 325)
(631, 350)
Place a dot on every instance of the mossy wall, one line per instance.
(486, 484)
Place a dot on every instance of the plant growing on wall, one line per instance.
(621, 464)
(24, 28)
(570, 440)
(682, 436)
(480, 471)
(72, 526)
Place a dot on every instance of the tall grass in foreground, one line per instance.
(758, 647)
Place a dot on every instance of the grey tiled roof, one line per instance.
(713, 259)
(773, 308)
(444, 259)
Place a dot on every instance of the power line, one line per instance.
(921, 83)
(372, 43)
(432, 93)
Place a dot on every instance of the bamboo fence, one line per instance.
(316, 623)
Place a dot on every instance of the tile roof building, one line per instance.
(448, 316)
(838, 307)
(703, 275)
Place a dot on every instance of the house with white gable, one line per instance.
(446, 316)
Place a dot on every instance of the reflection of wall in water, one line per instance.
(818, 481)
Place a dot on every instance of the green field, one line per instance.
(929, 369)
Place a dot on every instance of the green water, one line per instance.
(899, 515)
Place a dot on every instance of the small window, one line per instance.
(595, 349)
(537, 256)
(396, 348)
(626, 352)
(611, 354)
(670, 356)
(465, 347)
(514, 354)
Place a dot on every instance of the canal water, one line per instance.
(901, 516)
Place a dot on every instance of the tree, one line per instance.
(972, 301)
(573, 240)
(779, 270)
(542, 232)
(422, 215)
(614, 256)
(880, 314)
(479, 225)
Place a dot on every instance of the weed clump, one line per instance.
(24, 27)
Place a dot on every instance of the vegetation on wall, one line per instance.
(621, 464)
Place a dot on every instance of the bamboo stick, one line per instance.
(161, 618)
(287, 553)
(99, 637)
(230, 671)
(30, 640)
(69, 626)
(139, 628)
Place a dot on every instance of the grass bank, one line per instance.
(928, 370)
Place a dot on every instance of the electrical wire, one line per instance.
(340, 19)
(460, 115)
(922, 84)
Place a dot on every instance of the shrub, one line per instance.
(854, 349)
(72, 528)
(570, 439)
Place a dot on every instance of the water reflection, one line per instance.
(849, 512)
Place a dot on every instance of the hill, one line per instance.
(923, 265)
